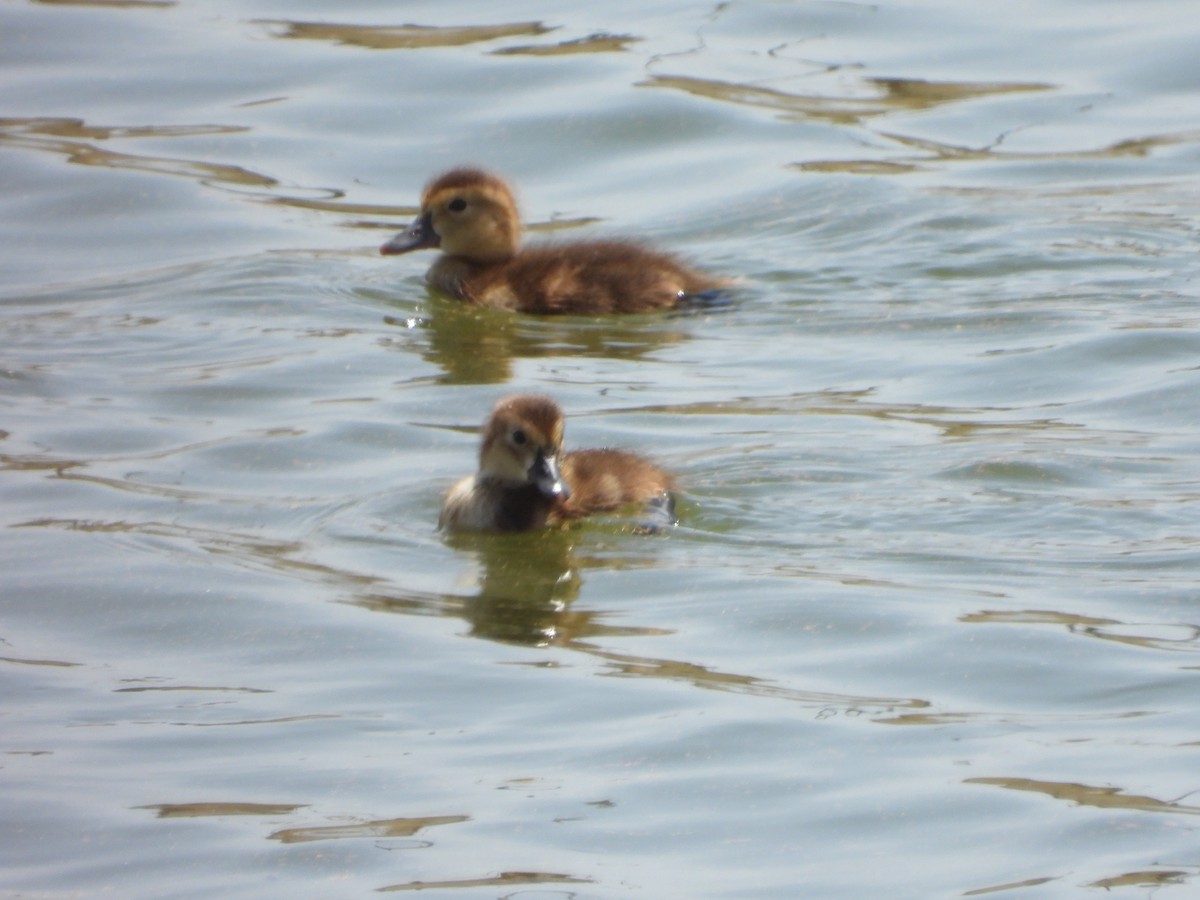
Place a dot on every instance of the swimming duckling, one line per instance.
(525, 481)
(472, 217)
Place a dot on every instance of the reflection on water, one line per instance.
(381, 832)
(527, 584)
(936, 153)
(63, 136)
(1009, 886)
(74, 139)
(593, 43)
(1163, 636)
(400, 37)
(704, 677)
(56, 663)
(250, 550)
(384, 828)
(201, 810)
(1001, 718)
(953, 423)
(1090, 795)
(504, 879)
(1147, 879)
(12, 130)
(475, 345)
(190, 688)
(890, 95)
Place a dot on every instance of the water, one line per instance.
(928, 626)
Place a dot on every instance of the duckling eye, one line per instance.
(518, 437)
(458, 204)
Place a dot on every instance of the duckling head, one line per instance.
(522, 443)
(466, 213)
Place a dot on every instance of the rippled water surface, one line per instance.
(929, 625)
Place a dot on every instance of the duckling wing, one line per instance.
(597, 277)
(607, 479)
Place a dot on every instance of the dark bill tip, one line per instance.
(419, 236)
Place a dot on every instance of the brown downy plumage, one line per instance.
(472, 218)
(525, 481)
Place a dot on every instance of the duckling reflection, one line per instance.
(525, 481)
(526, 586)
(472, 217)
(477, 345)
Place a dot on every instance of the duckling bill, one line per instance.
(525, 480)
(472, 217)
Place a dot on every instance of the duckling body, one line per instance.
(526, 482)
(472, 217)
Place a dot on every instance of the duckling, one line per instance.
(526, 482)
(472, 217)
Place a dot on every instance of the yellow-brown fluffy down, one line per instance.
(525, 481)
(472, 217)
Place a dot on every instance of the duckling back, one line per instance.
(582, 278)
(606, 479)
